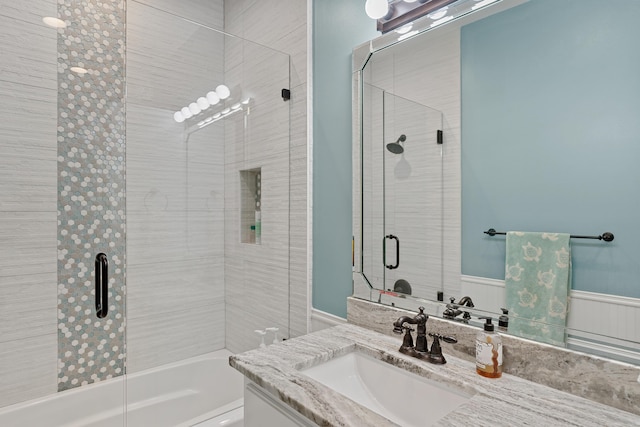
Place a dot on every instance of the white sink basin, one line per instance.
(400, 396)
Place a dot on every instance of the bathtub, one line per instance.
(203, 391)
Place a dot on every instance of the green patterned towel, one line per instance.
(537, 282)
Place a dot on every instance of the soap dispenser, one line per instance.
(488, 351)
(503, 320)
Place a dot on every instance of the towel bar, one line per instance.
(607, 237)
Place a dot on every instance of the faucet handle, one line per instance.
(448, 339)
(407, 341)
(445, 338)
(435, 355)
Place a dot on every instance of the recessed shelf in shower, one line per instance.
(250, 209)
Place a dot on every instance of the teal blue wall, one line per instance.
(338, 26)
(532, 163)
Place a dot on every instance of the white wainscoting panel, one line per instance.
(608, 319)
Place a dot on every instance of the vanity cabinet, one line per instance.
(262, 409)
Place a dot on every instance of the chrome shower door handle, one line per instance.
(384, 252)
(102, 285)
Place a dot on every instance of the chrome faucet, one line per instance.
(421, 349)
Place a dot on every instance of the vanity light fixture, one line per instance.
(399, 13)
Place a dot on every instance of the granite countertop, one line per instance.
(506, 401)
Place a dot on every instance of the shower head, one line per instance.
(396, 147)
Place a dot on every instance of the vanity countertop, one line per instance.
(506, 401)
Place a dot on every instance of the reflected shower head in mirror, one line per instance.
(396, 147)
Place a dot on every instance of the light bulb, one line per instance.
(178, 117)
(410, 1)
(186, 113)
(193, 107)
(376, 9)
(216, 115)
(223, 91)
(213, 98)
(225, 111)
(235, 106)
(203, 103)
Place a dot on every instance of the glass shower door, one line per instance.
(413, 185)
(402, 186)
(208, 205)
(62, 206)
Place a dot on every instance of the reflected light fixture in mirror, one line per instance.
(482, 4)
(405, 28)
(440, 13)
(79, 70)
(213, 97)
(54, 22)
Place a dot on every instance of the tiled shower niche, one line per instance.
(250, 210)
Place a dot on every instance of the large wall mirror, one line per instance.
(518, 116)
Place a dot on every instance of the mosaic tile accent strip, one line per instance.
(91, 189)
